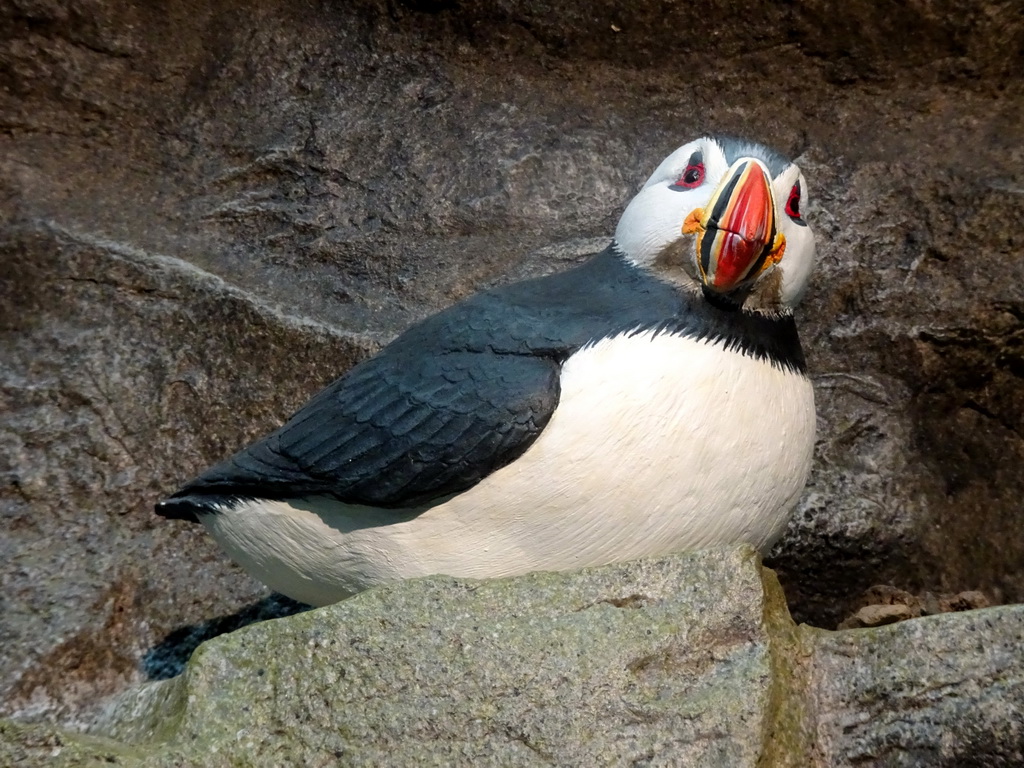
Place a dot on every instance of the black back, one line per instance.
(468, 390)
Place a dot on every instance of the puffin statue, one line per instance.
(651, 400)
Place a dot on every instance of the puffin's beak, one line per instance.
(736, 234)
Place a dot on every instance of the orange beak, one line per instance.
(737, 238)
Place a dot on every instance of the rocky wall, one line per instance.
(210, 209)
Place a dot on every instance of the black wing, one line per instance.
(399, 430)
(408, 427)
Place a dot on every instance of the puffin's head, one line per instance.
(726, 213)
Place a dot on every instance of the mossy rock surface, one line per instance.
(657, 660)
(686, 660)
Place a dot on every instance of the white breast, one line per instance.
(659, 443)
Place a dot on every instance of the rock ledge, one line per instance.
(687, 660)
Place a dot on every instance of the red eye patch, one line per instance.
(692, 177)
(793, 203)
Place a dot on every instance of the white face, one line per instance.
(685, 182)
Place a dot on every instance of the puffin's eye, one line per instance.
(793, 203)
(693, 175)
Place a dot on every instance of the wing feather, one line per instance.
(432, 427)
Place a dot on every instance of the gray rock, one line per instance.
(26, 745)
(686, 660)
(662, 662)
(942, 690)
